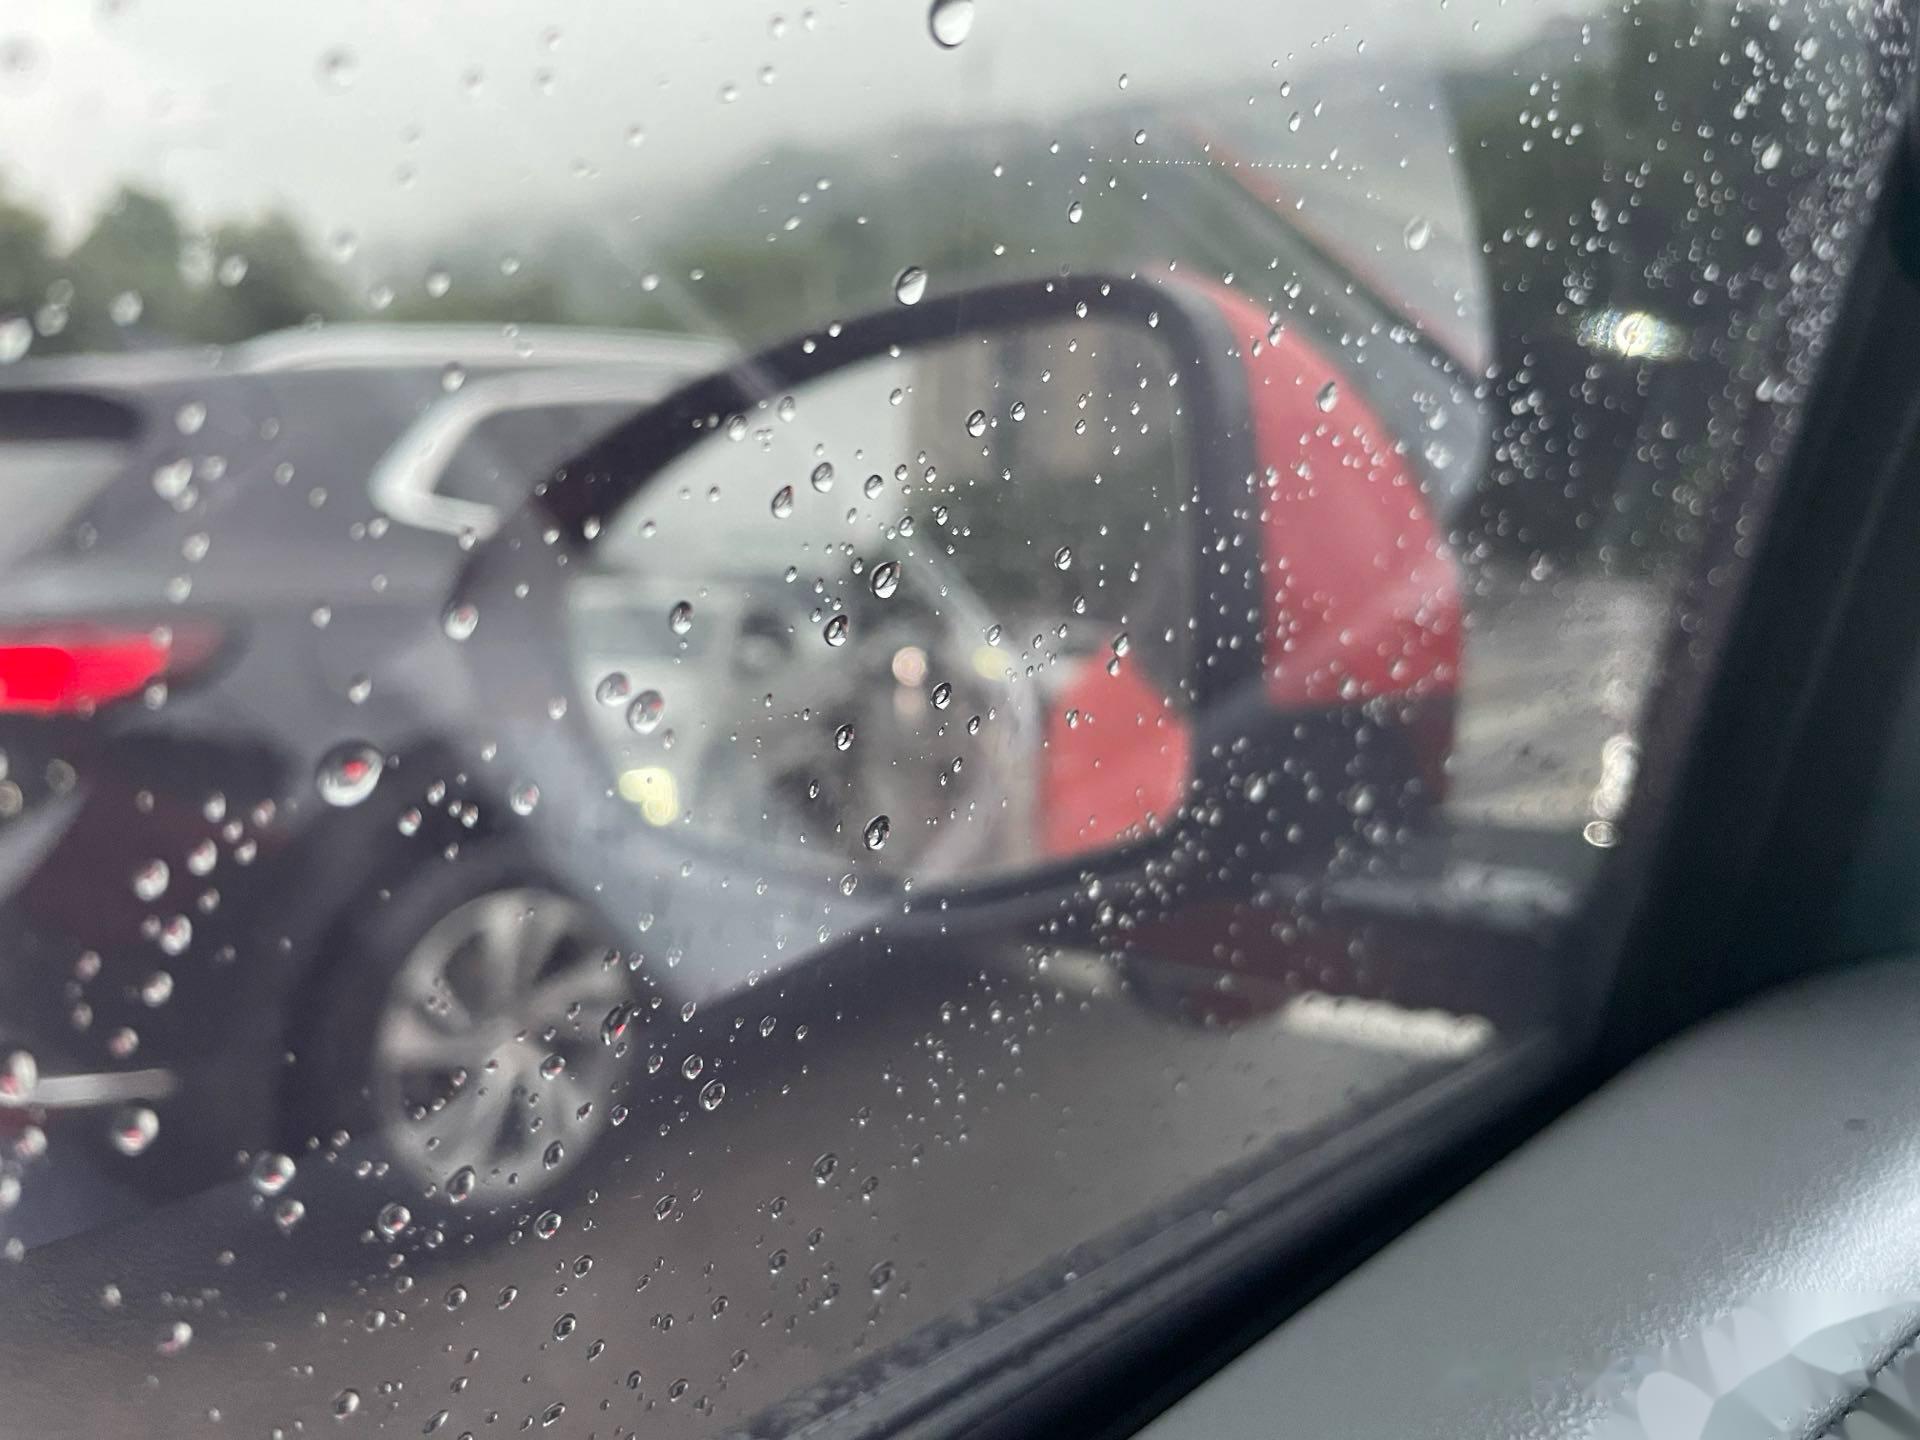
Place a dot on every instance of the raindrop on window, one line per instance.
(878, 829)
(461, 621)
(348, 773)
(643, 716)
(272, 1172)
(150, 880)
(338, 68)
(908, 286)
(392, 1219)
(133, 1129)
(950, 22)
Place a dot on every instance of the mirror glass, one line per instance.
(926, 614)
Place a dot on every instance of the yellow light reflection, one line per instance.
(652, 788)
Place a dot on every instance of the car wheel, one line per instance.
(461, 1031)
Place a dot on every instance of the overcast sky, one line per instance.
(389, 118)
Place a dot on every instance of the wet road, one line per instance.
(901, 1144)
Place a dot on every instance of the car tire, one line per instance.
(457, 1029)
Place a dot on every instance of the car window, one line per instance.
(705, 706)
(499, 459)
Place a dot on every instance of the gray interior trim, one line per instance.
(1724, 1242)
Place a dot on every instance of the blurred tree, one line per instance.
(265, 278)
(26, 264)
(135, 249)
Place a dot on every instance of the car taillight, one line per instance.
(76, 669)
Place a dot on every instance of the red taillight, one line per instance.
(75, 670)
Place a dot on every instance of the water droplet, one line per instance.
(16, 338)
(1139, 137)
(822, 477)
(272, 1172)
(1063, 558)
(565, 1326)
(508, 1294)
(453, 376)
(843, 737)
(886, 578)
(460, 1187)
(525, 798)
(175, 935)
(338, 68)
(553, 1155)
(1419, 231)
(950, 22)
(783, 502)
(908, 286)
(346, 1403)
(878, 829)
(880, 1276)
(190, 417)
(873, 486)
(1328, 397)
(348, 773)
(824, 1167)
(942, 695)
(1772, 155)
(643, 716)
(134, 1127)
(287, 1213)
(548, 1225)
(835, 632)
(1074, 212)
(456, 1297)
(613, 689)
(712, 1093)
(977, 424)
(150, 880)
(680, 618)
(359, 688)
(461, 621)
(1122, 643)
(392, 1219)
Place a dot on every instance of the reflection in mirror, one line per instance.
(936, 618)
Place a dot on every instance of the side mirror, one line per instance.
(1002, 583)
